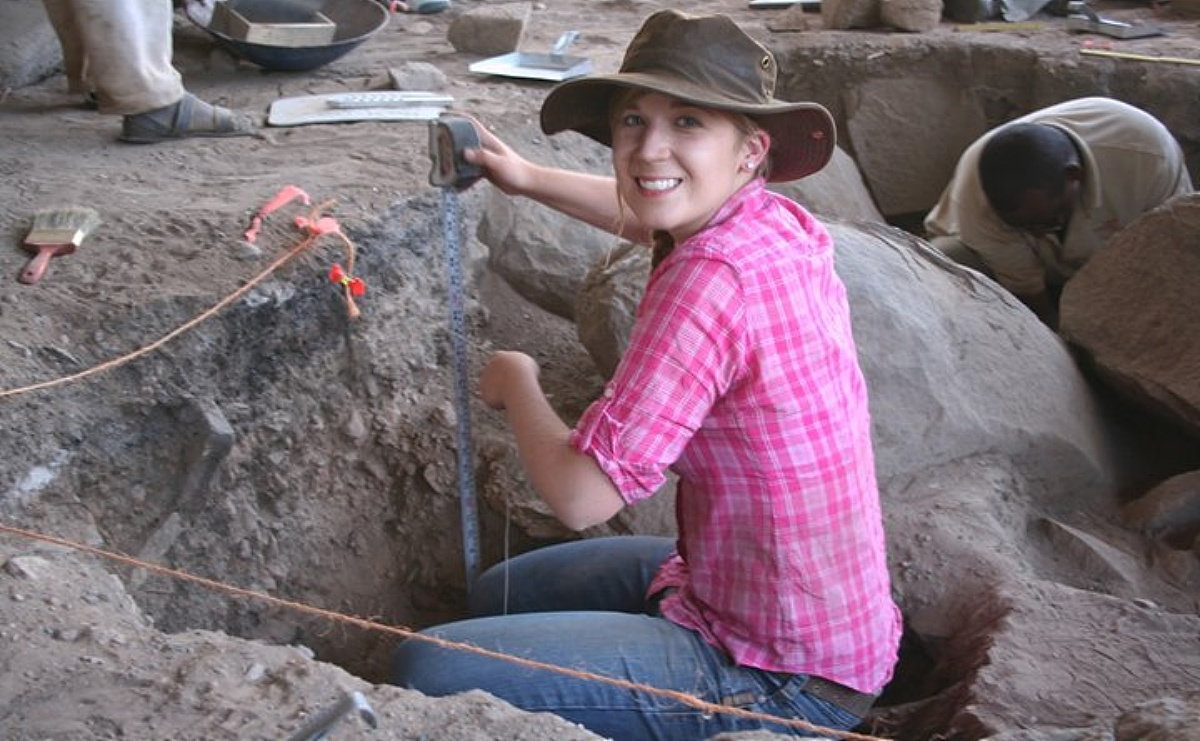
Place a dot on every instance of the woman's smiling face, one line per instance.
(676, 163)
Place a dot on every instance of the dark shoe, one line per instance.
(426, 7)
(190, 117)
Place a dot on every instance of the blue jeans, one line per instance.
(582, 605)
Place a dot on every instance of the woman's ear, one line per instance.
(758, 146)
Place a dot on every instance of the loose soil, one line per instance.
(281, 369)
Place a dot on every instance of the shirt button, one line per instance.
(608, 392)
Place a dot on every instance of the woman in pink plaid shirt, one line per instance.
(741, 376)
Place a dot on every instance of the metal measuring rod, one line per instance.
(449, 136)
(319, 727)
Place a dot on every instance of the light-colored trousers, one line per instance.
(119, 49)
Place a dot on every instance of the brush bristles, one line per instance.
(69, 225)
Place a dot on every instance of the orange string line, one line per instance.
(192, 323)
(681, 697)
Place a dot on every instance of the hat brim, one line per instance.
(803, 135)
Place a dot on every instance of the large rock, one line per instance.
(844, 14)
(544, 255)
(29, 49)
(1132, 311)
(908, 176)
(837, 191)
(607, 303)
(911, 15)
(958, 367)
(490, 30)
(906, 15)
(1170, 511)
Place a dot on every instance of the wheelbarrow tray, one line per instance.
(355, 21)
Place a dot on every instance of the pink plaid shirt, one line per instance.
(741, 376)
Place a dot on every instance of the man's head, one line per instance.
(1031, 174)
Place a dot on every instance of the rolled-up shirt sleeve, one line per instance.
(683, 353)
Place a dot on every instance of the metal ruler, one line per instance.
(1139, 57)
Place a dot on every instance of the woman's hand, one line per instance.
(507, 170)
(584, 196)
(504, 371)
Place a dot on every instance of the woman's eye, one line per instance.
(631, 119)
(687, 122)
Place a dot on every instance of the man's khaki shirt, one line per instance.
(1131, 164)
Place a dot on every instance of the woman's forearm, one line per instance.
(589, 198)
(578, 492)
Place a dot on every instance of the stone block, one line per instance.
(907, 135)
(490, 30)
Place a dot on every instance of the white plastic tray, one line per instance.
(534, 66)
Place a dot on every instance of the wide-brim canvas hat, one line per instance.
(708, 61)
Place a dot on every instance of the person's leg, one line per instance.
(127, 60)
(62, 17)
(129, 47)
(648, 657)
(592, 574)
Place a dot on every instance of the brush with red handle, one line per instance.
(56, 231)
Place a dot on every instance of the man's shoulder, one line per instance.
(1087, 105)
(1094, 113)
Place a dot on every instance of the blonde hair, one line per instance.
(745, 125)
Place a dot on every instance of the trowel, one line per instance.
(555, 66)
(1083, 18)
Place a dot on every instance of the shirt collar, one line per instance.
(749, 196)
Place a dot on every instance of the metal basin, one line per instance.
(356, 20)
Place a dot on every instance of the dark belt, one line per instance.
(852, 701)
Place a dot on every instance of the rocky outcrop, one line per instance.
(1130, 307)
(29, 49)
